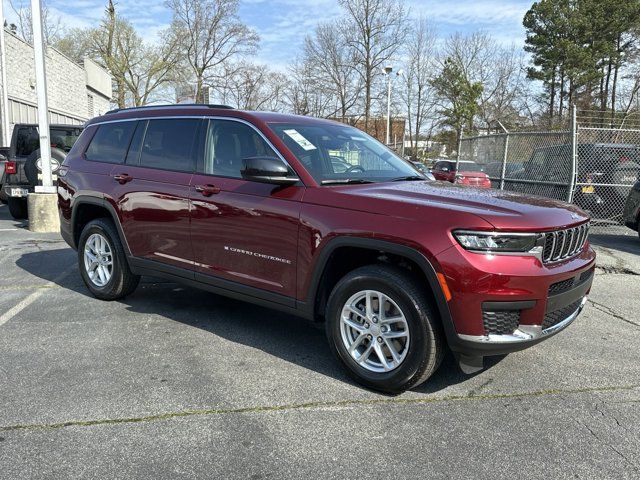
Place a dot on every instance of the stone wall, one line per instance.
(67, 85)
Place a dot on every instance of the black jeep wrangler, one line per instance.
(20, 163)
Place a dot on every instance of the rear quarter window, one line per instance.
(110, 143)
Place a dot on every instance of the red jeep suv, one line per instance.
(251, 205)
(469, 173)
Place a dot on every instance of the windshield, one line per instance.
(341, 154)
(470, 167)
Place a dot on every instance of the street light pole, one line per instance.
(43, 204)
(41, 91)
(3, 79)
(388, 72)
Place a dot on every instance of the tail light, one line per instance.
(10, 168)
(624, 159)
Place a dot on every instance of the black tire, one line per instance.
(122, 281)
(426, 346)
(18, 207)
(30, 165)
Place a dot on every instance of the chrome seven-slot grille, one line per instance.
(563, 244)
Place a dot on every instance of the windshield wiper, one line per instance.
(345, 181)
(408, 178)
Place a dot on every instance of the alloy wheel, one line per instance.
(374, 331)
(98, 260)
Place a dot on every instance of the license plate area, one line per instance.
(18, 192)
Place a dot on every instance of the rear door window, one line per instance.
(110, 143)
(170, 144)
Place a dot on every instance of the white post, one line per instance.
(389, 110)
(41, 91)
(574, 152)
(5, 95)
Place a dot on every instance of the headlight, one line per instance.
(494, 242)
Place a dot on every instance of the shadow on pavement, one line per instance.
(285, 336)
(623, 243)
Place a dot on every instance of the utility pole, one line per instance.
(43, 204)
(3, 78)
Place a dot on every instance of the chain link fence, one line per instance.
(593, 167)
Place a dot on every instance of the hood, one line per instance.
(419, 200)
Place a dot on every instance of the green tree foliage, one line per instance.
(578, 48)
(458, 97)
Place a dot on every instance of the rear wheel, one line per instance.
(102, 261)
(383, 329)
(18, 207)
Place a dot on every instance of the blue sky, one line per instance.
(282, 24)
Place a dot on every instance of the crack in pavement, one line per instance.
(312, 406)
(604, 309)
(619, 266)
(615, 270)
(595, 435)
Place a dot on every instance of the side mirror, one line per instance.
(267, 170)
(445, 169)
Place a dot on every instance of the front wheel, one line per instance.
(383, 329)
(102, 261)
(18, 207)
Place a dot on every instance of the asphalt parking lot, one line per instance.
(177, 383)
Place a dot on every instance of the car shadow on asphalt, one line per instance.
(284, 336)
(622, 243)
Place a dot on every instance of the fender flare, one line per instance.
(99, 201)
(408, 252)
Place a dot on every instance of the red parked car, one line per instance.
(251, 205)
(468, 173)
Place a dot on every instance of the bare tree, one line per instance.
(208, 34)
(375, 30)
(147, 69)
(421, 68)
(139, 71)
(500, 71)
(51, 25)
(304, 95)
(251, 86)
(334, 59)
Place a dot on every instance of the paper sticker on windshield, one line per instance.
(300, 140)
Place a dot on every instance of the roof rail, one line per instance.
(174, 105)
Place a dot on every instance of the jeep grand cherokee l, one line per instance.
(249, 205)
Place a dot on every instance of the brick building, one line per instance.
(75, 92)
(377, 127)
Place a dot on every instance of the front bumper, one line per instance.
(526, 334)
(502, 304)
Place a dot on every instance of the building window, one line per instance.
(90, 105)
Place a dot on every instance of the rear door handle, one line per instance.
(122, 178)
(207, 190)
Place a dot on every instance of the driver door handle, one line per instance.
(207, 190)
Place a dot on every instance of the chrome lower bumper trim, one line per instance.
(525, 333)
